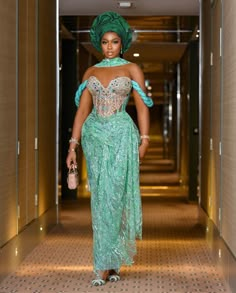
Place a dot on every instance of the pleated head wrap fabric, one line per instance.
(110, 22)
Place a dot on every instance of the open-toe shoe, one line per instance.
(100, 280)
(113, 276)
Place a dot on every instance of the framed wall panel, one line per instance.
(8, 132)
(32, 109)
(205, 106)
(26, 113)
(215, 194)
(47, 103)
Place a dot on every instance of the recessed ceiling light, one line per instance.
(124, 4)
(136, 54)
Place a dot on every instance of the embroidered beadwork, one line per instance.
(111, 99)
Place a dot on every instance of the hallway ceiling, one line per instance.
(162, 31)
(139, 7)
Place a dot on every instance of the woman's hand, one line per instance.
(71, 159)
(143, 149)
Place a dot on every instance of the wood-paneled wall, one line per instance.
(211, 110)
(216, 119)
(229, 126)
(205, 162)
(218, 163)
(27, 187)
(8, 132)
(27, 113)
(47, 103)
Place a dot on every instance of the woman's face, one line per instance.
(111, 45)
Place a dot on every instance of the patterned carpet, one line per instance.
(172, 257)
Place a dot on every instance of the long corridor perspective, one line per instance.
(186, 50)
(175, 254)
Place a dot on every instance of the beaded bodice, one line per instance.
(110, 99)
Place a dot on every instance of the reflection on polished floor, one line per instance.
(174, 255)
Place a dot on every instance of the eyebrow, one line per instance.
(116, 38)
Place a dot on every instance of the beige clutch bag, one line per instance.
(73, 177)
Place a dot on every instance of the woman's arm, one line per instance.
(82, 113)
(142, 110)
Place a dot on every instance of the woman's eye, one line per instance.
(104, 42)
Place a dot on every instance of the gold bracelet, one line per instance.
(75, 140)
(145, 136)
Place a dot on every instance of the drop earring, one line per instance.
(121, 52)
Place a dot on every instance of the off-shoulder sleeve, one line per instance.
(147, 100)
(79, 92)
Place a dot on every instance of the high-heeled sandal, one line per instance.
(100, 281)
(113, 276)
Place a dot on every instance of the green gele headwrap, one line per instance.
(110, 22)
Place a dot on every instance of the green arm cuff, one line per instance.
(147, 100)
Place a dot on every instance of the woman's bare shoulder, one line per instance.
(135, 71)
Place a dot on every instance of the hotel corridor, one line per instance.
(186, 49)
(177, 254)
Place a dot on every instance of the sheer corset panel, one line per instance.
(110, 99)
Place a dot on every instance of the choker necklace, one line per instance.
(107, 62)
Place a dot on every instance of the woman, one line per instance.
(112, 145)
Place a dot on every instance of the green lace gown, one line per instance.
(110, 142)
